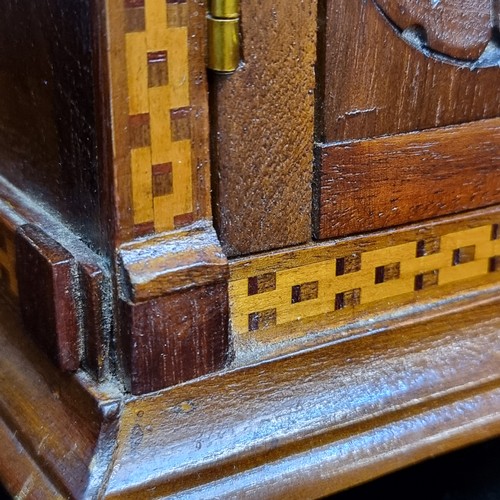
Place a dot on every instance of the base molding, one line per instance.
(303, 425)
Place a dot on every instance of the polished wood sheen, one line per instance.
(171, 268)
(284, 295)
(153, 54)
(386, 182)
(147, 351)
(301, 426)
(59, 274)
(175, 338)
(372, 81)
(262, 118)
(48, 140)
(55, 433)
(45, 273)
(453, 27)
(181, 261)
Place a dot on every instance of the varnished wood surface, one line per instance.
(173, 262)
(97, 320)
(52, 426)
(20, 473)
(47, 286)
(285, 295)
(372, 82)
(89, 280)
(390, 181)
(301, 426)
(453, 27)
(314, 423)
(48, 142)
(262, 122)
(157, 146)
(174, 338)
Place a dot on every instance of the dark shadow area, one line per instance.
(472, 473)
(3, 494)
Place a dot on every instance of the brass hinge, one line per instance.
(223, 35)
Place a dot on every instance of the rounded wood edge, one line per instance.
(320, 421)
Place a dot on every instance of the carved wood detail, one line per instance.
(455, 28)
(388, 86)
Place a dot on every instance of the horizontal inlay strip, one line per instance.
(383, 271)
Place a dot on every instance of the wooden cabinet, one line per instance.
(336, 318)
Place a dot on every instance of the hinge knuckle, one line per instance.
(223, 35)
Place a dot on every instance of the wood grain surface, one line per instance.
(308, 425)
(453, 27)
(372, 82)
(300, 426)
(386, 182)
(173, 315)
(90, 276)
(8, 277)
(48, 140)
(97, 319)
(46, 277)
(174, 338)
(56, 435)
(20, 473)
(179, 261)
(286, 295)
(159, 110)
(262, 118)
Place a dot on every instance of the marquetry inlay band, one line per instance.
(292, 286)
(150, 64)
(8, 280)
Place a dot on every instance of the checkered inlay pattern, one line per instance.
(8, 281)
(339, 282)
(155, 45)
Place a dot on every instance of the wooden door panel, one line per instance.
(377, 78)
(262, 130)
(373, 82)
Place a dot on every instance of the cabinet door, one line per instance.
(406, 126)
(262, 130)
(404, 119)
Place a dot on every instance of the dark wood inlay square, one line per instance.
(494, 264)
(157, 68)
(177, 13)
(349, 298)
(162, 179)
(183, 219)
(261, 319)
(144, 229)
(180, 124)
(426, 280)
(262, 283)
(387, 273)
(348, 264)
(464, 255)
(135, 18)
(305, 291)
(139, 130)
(428, 246)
